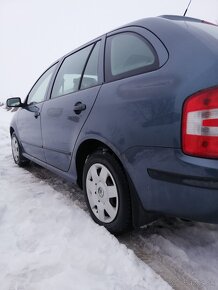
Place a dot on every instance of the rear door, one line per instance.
(74, 92)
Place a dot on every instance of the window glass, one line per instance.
(129, 54)
(90, 76)
(68, 77)
(212, 30)
(38, 92)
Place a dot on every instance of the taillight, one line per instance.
(200, 124)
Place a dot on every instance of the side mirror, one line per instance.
(14, 102)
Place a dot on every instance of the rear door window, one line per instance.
(129, 54)
(69, 75)
(90, 76)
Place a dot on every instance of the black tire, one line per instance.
(19, 159)
(121, 204)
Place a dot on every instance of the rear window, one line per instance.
(210, 29)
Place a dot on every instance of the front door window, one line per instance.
(38, 92)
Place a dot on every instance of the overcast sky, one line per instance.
(34, 33)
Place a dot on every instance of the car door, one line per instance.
(29, 119)
(74, 92)
(131, 91)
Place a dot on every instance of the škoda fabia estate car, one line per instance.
(132, 118)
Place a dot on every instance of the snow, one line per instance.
(48, 242)
(192, 247)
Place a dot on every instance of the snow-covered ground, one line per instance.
(48, 242)
(189, 246)
(184, 253)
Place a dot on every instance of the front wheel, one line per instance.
(17, 152)
(107, 192)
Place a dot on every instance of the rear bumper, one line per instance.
(169, 182)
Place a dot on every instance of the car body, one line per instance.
(130, 95)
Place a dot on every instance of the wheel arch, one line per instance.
(87, 147)
(11, 130)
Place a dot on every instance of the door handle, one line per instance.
(36, 114)
(79, 107)
(36, 110)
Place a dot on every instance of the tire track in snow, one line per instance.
(177, 278)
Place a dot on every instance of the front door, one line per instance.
(73, 95)
(29, 117)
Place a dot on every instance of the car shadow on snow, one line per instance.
(59, 184)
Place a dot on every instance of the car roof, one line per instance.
(168, 28)
(161, 26)
(171, 18)
(163, 22)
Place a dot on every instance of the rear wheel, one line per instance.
(107, 192)
(17, 152)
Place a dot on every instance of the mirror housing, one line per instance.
(14, 103)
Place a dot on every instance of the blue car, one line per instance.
(132, 118)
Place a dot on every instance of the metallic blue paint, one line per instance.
(139, 119)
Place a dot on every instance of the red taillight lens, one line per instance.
(200, 124)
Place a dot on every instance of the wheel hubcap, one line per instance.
(15, 148)
(102, 193)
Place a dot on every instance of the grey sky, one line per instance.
(34, 33)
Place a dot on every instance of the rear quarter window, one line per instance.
(129, 54)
